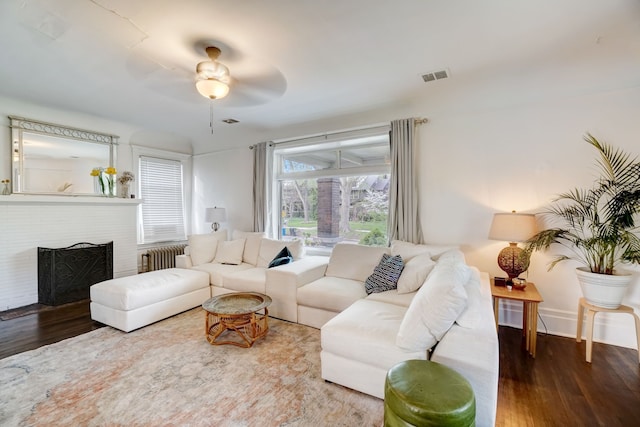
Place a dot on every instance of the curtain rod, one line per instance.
(417, 121)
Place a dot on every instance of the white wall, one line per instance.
(223, 179)
(474, 162)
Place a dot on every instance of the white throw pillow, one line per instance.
(230, 252)
(202, 247)
(435, 307)
(470, 317)
(251, 245)
(409, 250)
(415, 272)
(269, 248)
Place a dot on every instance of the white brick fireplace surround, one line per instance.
(30, 221)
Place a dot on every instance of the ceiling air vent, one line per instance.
(435, 75)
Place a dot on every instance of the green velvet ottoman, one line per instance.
(424, 393)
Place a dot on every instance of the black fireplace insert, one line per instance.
(65, 274)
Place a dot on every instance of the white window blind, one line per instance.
(161, 186)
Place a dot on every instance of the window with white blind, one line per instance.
(161, 189)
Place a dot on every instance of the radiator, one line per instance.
(161, 258)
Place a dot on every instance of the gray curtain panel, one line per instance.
(259, 185)
(403, 222)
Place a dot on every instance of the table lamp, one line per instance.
(214, 216)
(512, 227)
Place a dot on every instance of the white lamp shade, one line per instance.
(212, 88)
(215, 215)
(512, 227)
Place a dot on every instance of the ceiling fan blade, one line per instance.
(250, 90)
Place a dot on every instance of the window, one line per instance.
(336, 189)
(161, 188)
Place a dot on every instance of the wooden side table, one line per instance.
(591, 314)
(530, 298)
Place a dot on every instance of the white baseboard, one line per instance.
(615, 329)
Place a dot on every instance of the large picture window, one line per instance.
(334, 190)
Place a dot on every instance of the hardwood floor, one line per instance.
(35, 330)
(557, 388)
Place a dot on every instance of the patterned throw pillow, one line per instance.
(386, 274)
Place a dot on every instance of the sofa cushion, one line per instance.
(249, 280)
(132, 292)
(415, 272)
(283, 257)
(202, 247)
(409, 250)
(385, 275)
(230, 252)
(366, 332)
(269, 248)
(355, 262)
(393, 297)
(435, 307)
(217, 271)
(251, 245)
(331, 293)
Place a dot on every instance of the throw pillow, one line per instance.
(385, 275)
(251, 245)
(409, 250)
(435, 307)
(230, 252)
(283, 257)
(470, 317)
(415, 273)
(202, 247)
(269, 248)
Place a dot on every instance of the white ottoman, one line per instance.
(131, 302)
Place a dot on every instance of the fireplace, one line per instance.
(65, 274)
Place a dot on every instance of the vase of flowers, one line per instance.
(98, 183)
(110, 174)
(125, 182)
(5, 187)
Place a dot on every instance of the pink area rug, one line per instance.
(167, 374)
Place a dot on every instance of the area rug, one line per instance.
(167, 374)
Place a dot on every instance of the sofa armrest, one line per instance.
(282, 284)
(183, 261)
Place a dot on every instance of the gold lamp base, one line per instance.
(513, 261)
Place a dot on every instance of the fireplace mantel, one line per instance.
(81, 200)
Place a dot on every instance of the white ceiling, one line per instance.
(298, 61)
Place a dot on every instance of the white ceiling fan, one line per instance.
(232, 78)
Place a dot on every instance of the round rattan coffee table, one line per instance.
(236, 313)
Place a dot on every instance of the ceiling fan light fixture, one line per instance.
(212, 70)
(212, 88)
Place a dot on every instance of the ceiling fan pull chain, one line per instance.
(211, 115)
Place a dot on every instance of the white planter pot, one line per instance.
(603, 290)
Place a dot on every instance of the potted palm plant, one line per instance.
(599, 226)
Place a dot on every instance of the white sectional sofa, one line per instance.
(363, 335)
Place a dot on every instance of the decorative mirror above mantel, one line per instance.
(54, 159)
